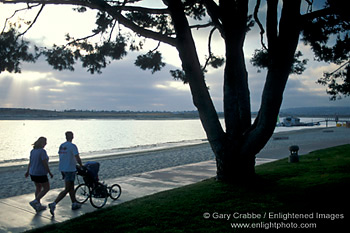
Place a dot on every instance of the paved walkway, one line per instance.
(17, 215)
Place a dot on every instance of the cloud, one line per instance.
(123, 86)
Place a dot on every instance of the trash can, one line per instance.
(293, 157)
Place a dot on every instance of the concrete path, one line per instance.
(16, 215)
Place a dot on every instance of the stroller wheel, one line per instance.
(115, 191)
(99, 196)
(82, 193)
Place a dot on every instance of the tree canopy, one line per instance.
(325, 30)
(172, 22)
(329, 38)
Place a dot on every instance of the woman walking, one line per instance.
(38, 168)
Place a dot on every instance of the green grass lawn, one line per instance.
(313, 193)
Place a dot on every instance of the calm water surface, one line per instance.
(100, 137)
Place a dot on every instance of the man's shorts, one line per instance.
(68, 176)
(39, 179)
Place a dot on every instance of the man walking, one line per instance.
(69, 157)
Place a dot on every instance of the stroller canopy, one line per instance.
(92, 169)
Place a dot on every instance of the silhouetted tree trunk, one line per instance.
(235, 149)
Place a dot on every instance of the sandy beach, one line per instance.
(14, 183)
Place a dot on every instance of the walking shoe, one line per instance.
(76, 206)
(40, 208)
(52, 207)
(34, 204)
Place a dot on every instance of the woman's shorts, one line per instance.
(68, 176)
(39, 179)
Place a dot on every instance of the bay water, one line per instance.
(103, 137)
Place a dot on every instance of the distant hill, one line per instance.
(316, 111)
(26, 113)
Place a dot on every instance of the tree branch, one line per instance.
(115, 13)
(155, 49)
(191, 65)
(36, 17)
(318, 13)
(84, 38)
(198, 26)
(213, 11)
(209, 48)
(283, 51)
(262, 30)
(105, 7)
(143, 32)
(110, 35)
(143, 10)
(15, 12)
(55, 2)
(339, 68)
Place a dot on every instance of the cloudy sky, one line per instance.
(123, 86)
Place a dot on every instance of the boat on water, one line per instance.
(295, 121)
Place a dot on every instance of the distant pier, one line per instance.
(339, 121)
(295, 121)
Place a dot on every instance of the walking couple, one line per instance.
(38, 168)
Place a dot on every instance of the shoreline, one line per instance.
(276, 136)
(106, 157)
(14, 183)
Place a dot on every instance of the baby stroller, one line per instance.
(92, 189)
